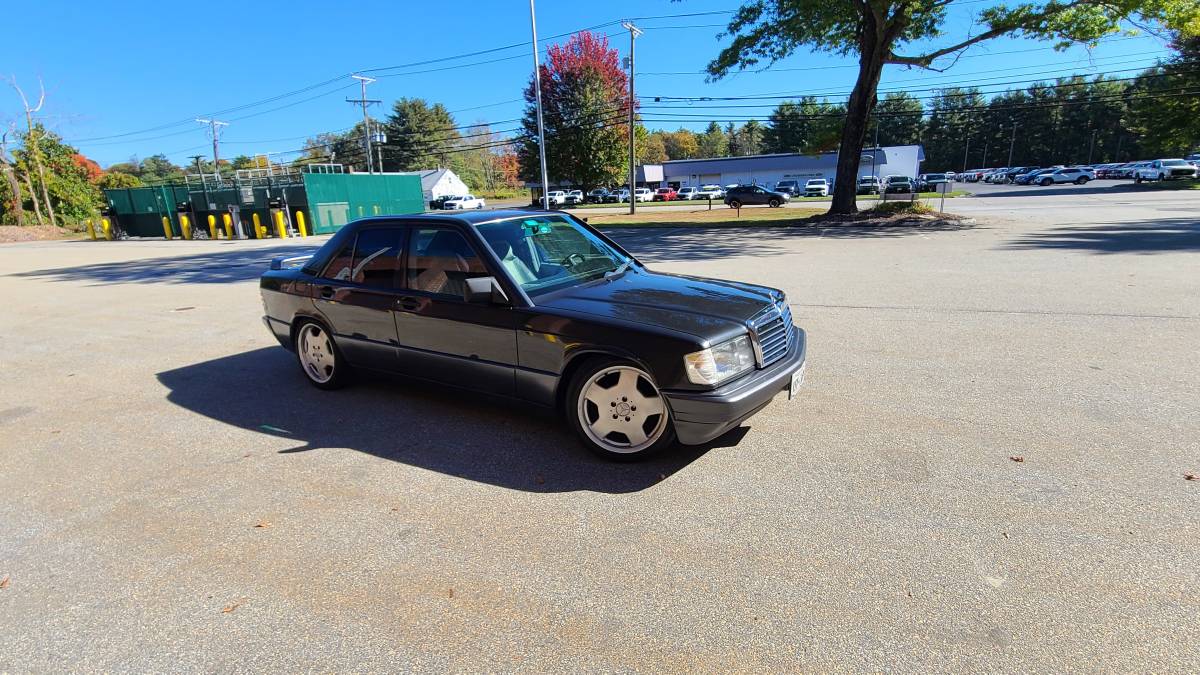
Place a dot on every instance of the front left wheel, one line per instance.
(617, 411)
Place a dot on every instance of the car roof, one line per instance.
(470, 217)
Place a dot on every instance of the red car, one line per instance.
(665, 195)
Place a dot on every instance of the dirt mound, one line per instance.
(13, 233)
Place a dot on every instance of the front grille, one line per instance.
(772, 333)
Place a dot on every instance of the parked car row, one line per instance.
(1157, 169)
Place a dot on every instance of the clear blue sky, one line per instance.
(114, 68)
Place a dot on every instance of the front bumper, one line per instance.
(702, 416)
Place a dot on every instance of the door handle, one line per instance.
(408, 304)
(327, 292)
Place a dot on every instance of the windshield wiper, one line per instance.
(620, 269)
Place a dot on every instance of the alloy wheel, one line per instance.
(621, 410)
(316, 353)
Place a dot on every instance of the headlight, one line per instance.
(717, 364)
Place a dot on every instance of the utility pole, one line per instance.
(634, 32)
(875, 150)
(214, 129)
(1092, 147)
(966, 146)
(537, 88)
(1012, 144)
(364, 102)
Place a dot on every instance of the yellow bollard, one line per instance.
(185, 225)
(258, 228)
(166, 227)
(300, 224)
(375, 209)
(212, 226)
(91, 229)
(228, 222)
(280, 227)
(107, 227)
(360, 212)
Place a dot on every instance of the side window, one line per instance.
(440, 261)
(341, 264)
(377, 257)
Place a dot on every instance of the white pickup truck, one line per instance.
(1164, 169)
(463, 202)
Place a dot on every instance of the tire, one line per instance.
(1082, 180)
(774, 203)
(1137, 178)
(735, 204)
(602, 407)
(1162, 176)
(1047, 181)
(319, 357)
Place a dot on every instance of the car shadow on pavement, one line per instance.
(1160, 235)
(494, 441)
(219, 267)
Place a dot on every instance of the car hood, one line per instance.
(709, 309)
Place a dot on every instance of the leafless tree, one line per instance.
(32, 146)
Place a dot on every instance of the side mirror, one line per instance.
(485, 290)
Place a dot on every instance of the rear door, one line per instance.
(441, 336)
(356, 294)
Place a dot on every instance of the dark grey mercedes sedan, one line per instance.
(543, 308)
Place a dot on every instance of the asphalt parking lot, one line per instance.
(986, 471)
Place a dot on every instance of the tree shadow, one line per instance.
(1147, 236)
(1106, 187)
(493, 441)
(663, 242)
(219, 267)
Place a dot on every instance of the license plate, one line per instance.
(797, 381)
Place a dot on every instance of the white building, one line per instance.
(439, 183)
(767, 170)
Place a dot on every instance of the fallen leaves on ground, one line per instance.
(4, 582)
(1017, 458)
(262, 524)
(231, 606)
(1190, 476)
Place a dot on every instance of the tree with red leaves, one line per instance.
(585, 109)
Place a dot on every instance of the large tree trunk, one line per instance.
(858, 113)
(37, 210)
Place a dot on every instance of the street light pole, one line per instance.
(537, 88)
(634, 31)
(1092, 147)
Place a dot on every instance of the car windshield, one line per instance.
(1174, 162)
(546, 253)
(898, 179)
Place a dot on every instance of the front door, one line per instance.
(357, 293)
(441, 336)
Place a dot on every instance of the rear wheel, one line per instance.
(774, 203)
(617, 411)
(1082, 180)
(1047, 181)
(319, 357)
(735, 204)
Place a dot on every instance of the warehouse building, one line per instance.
(767, 170)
